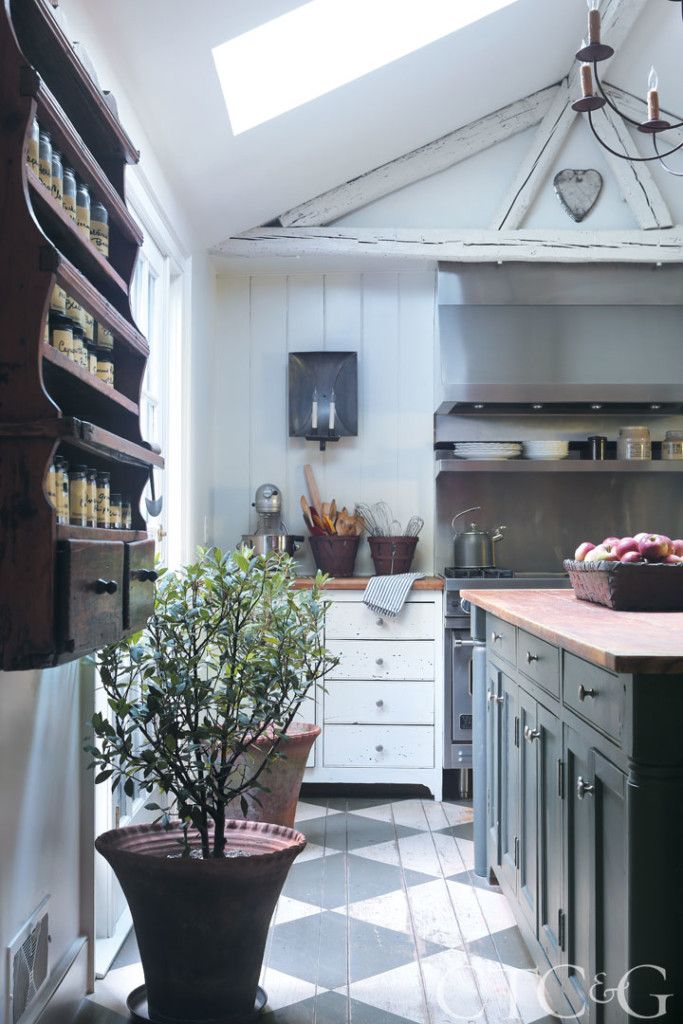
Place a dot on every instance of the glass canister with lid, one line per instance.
(99, 227)
(672, 445)
(33, 147)
(45, 159)
(83, 208)
(62, 333)
(91, 493)
(78, 497)
(69, 190)
(103, 493)
(57, 177)
(634, 443)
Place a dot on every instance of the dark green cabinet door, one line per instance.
(494, 703)
(608, 800)
(529, 737)
(509, 783)
(550, 788)
(579, 847)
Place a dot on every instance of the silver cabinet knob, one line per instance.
(379, 703)
(493, 698)
(531, 735)
(380, 621)
(531, 657)
(379, 748)
(584, 693)
(495, 637)
(379, 661)
(583, 788)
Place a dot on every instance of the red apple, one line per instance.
(601, 554)
(640, 536)
(625, 545)
(677, 546)
(674, 560)
(632, 558)
(582, 550)
(655, 547)
(610, 542)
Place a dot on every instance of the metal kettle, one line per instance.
(474, 548)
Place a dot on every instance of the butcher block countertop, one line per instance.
(644, 642)
(361, 582)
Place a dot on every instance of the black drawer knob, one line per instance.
(585, 693)
(146, 575)
(106, 586)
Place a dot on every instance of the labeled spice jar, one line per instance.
(83, 208)
(78, 353)
(634, 443)
(92, 358)
(45, 160)
(51, 485)
(91, 492)
(33, 148)
(672, 445)
(99, 227)
(78, 497)
(62, 476)
(105, 367)
(103, 492)
(127, 513)
(57, 176)
(46, 330)
(62, 333)
(75, 310)
(115, 512)
(58, 299)
(69, 190)
(105, 339)
(88, 326)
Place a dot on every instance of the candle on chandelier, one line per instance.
(586, 75)
(653, 96)
(593, 21)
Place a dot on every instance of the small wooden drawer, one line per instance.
(389, 746)
(539, 661)
(364, 703)
(90, 594)
(378, 659)
(140, 578)
(595, 695)
(352, 620)
(501, 638)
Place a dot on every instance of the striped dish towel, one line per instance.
(386, 595)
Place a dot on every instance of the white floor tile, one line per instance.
(432, 914)
(386, 853)
(449, 854)
(311, 852)
(468, 911)
(292, 910)
(306, 812)
(458, 814)
(388, 911)
(399, 991)
(284, 990)
(452, 990)
(410, 813)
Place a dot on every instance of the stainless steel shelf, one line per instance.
(560, 466)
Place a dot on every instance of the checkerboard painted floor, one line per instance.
(381, 921)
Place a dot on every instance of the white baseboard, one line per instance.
(65, 988)
(107, 949)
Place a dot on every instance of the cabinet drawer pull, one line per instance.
(531, 734)
(531, 657)
(106, 586)
(379, 703)
(493, 698)
(145, 575)
(495, 637)
(380, 622)
(379, 748)
(584, 693)
(583, 788)
(379, 661)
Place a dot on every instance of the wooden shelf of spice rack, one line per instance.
(53, 605)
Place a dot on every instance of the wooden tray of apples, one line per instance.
(630, 574)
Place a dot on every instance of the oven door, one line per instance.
(461, 686)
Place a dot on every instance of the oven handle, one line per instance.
(459, 642)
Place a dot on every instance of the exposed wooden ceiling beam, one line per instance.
(618, 19)
(460, 246)
(436, 156)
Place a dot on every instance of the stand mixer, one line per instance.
(270, 533)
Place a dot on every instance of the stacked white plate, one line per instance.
(546, 449)
(487, 449)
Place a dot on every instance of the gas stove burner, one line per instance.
(455, 572)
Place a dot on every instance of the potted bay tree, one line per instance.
(231, 651)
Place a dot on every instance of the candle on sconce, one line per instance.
(586, 75)
(653, 110)
(593, 21)
(314, 410)
(333, 410)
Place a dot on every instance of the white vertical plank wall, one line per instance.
(388, 318)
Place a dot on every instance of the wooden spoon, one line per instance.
(305, 508)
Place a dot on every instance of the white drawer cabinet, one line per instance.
(383, 659)
(356, 702)
(382, 712)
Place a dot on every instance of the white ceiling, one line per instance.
(162, 49)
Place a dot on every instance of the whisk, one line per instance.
(380, 522)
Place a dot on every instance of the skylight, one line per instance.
(323, 44)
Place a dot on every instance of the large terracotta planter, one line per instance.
(201, 925)
(283, 778)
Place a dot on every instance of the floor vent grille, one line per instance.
(28, 963)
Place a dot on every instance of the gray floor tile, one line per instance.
(462, 831)
(374, 950)
(351, 831)
(506, 946)
(362, 1013)
(312, 948)
(368, 878)
(321, 882)
(474, 881)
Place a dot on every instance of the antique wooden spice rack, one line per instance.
(64, 590)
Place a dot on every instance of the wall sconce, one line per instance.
(323, 396)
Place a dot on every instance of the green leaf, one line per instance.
(129, 787)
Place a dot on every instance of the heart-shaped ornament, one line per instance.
(578, 191)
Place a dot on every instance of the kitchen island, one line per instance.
(585, 796)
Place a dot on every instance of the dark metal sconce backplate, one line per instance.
(323, 373)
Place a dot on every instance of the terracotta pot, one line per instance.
(283, 778)
(201, 925)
